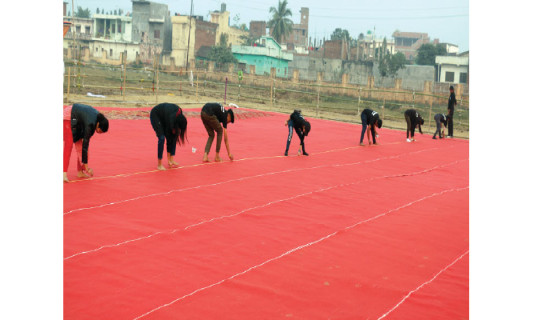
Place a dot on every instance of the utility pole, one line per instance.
(189, 37)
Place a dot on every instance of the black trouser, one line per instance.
(438, 124)
(298, 132)
(364, 122)
(410, 127)
(159, 131)
(212, 124)
(450, 125)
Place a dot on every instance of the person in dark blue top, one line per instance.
(370, 120)
(80, 122)
(215, 118)
(413, 119)
(302, 127)
(439, 120)
(170, 125)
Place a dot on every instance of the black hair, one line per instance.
(103, 122)
(451, 88)
(307, 126)
(230, 111)
(181, 128)
(379, 124)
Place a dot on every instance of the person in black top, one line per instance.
(440, 119)
(215, 118)
(302, 127)
(370, 120)
(170, 125)
(79, 125)
(413, 119)
(451, 110)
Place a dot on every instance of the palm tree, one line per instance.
(280, 23)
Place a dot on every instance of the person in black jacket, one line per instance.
(215, 118)
(302, 127)
(170, 125)
(370, 120)
(413, 119)
(439, 120)
(80, 122)
(451, 110)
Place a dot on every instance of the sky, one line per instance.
(446, 20)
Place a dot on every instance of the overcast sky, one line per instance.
(443, 19)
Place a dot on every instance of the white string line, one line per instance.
(242, 179)
(262, 206)
(299, 248)
(425, 283)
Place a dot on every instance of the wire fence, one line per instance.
(149, 85)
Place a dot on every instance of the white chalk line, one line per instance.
(242, 179)
(423, 284)
(262, 206)
(299, 248)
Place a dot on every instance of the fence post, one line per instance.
(124, 83)
(157, 92)
(359, 102)
(197, 88)
(271, 91)
(430, 116)
(318, 93)
(69, 85)
(383, 108)
(181, 81)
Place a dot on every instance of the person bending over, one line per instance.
(170, 125)
(215, 118)
(414, 119)
(440, 119)
(302, 128)
(370, 120)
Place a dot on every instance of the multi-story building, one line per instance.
(81, 28)
(409, 42)
(151, 28)
(300, 32)
(258, 28)
(221, 18)
(112, 27)
(452, 69)
(265, 55)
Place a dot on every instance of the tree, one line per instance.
(280, 23)
(83, 13)
(119, 12)
(388, 64)
(102, 11)
(97, 10)
(223, 40)
(427, 52)
(221, 53)
(339, 34)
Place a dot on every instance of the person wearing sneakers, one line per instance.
(440, 119)
(370, 120)
(451, 110)
(413, 119)
(215, 118)
(80, 122)
(302, 128)
(170, 125)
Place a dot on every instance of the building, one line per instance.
(452, 69)
(300, 32)
(112, 27)
(266, 55)
(369, 47)
(452, 49)
(203, 34)
(221, 18)
(409, 42)
(151, 28)
(81, 28)
(258, 28)
(336, 49)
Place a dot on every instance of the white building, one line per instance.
(452, 69)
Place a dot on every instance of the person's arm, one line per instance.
(226, 140)
(420, 128)
(85, 145)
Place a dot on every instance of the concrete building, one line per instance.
(452, 69)
(112, 27)
(409, 42)
(151, 27)
(258, 28)
(221, 18)
(81, 28)
(452, 49)
(368, 48)
(203, 34)
(336, 49)
(266, 55)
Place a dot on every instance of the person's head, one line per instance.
(451, 88)
(181, 127)
(230, 116)
(444, 121)
(379, 123)
(102, 124)
(307, 128)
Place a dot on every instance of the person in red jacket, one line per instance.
(80, 122)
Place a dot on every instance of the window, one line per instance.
(157, 34)
(463, 77)
(110, 52)
(449, 76)
(120, 28)
(77, 29)
(88, 30)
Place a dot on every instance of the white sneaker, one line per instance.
(408, 140)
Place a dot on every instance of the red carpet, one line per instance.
(349, 232)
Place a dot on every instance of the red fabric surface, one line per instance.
(349, 232)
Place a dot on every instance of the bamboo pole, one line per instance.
(318, 93)
(359, 102)
(124, 83)
(157, 92)
(197, 88)
(69, 85)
